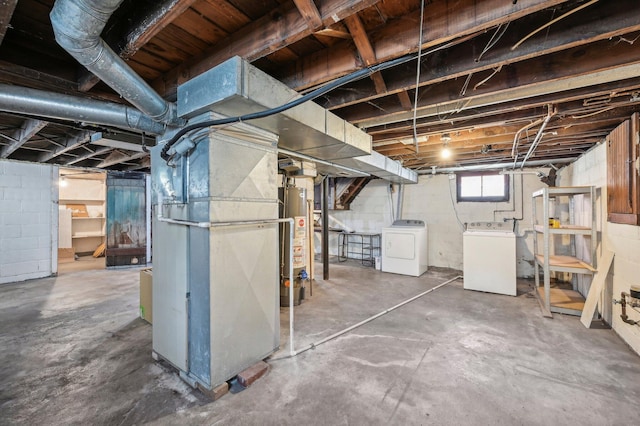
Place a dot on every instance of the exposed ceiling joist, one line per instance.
(70, 144)
(89, 155)
(549, 74)
(401, 37)
(612, 20)
(6, 11)
(310, 13)
(274, 31)
(141, 34)
(28, 129)
(118, 157)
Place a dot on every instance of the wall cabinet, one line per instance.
(557, 238)
(623, 170)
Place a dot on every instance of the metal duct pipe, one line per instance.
(77, 25)
(493, 166)
(22, 100)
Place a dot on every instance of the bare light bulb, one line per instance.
(445, 153)
(63, 182)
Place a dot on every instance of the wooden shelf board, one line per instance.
(88, 218)
(565, 299)
(565, 262)
(565, 229)
(88, 236)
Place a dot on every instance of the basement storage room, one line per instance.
(319, 212)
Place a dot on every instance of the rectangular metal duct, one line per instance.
(375, 164)
(235, 88)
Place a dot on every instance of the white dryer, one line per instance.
(404, 248)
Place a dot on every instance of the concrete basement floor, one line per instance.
(72, 351)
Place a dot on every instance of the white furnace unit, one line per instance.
(489, 256)
(404, 247)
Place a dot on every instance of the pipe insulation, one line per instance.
(22, 100)
(77, 25)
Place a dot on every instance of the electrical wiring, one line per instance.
(415, 97)
(553, 21)
(495, 38)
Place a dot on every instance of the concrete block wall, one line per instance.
(432, 199)
(623, 240)
(28, 221)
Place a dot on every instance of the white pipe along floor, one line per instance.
(73, 351)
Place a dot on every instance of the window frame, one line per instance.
(482, 199)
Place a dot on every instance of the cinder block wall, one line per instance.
(623, 240)
(28, 220)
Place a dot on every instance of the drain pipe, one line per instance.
(538, 138)
(22, 100)
(77, 25)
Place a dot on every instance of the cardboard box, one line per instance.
(66, 255)
(146, 295)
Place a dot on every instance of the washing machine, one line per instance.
(404, 247)
(489, 257)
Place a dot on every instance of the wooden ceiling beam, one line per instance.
(610, 20)
(556, 131)
(88, 155)
(22, 135)
(363, 45)
(310, 13)
(263, 36)
(118, 157)
(141, 34)
(70, 144)
(573, 68)
(6, 12)
(400, 36)
(519, 111)
(568, 114)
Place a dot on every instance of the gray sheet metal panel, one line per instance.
(236, 88)
(199, 305)
(199, 278)
(245, 323)
(170, 288)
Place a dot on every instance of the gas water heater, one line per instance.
(293, 204)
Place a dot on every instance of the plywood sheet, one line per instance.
(596, 288)
(565, 299)
(566, 262)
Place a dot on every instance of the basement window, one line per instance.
(482, 186)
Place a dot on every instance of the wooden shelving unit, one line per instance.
(566, 301)
(85, 195)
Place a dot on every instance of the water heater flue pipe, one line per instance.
(77, 25)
